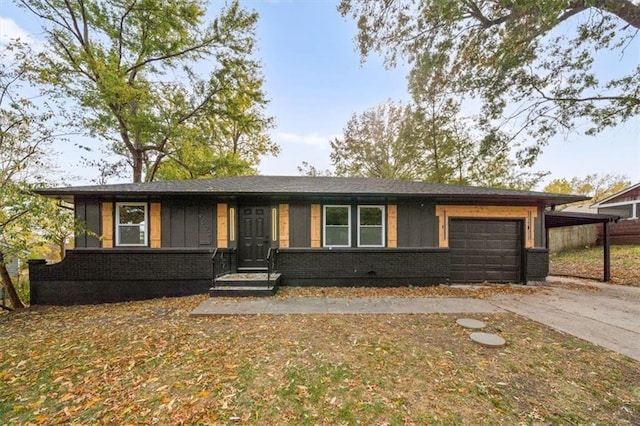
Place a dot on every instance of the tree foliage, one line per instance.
(228, 142)
(428, 142)
(533, 63)
(375, 144)
(25, 138)
(133, 70)
(596, 186)
(308, 169)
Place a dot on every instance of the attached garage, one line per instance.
(486, 250)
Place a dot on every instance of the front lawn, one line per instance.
(150, 363)
(588, 263)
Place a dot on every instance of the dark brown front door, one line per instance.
(254, 237)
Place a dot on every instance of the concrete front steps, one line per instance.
(245, 284)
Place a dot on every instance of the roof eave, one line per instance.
(69, 194)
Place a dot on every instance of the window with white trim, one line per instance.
(131, 224)
(371, 226)
(337, 226)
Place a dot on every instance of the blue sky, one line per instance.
(315, 81)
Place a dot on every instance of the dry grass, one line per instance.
(476, 291)
(150, 363)
(588, 263)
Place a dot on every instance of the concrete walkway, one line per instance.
(609, 317)
(333, 305)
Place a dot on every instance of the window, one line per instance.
(370, 226)
(337, 226)
(131, 224)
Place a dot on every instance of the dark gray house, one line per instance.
(158, 239)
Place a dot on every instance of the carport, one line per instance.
(558, 219)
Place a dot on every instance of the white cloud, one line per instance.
(9, 30)
(309, 139)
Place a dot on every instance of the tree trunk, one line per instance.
(623, 9)
(8, 284)
(137, 166)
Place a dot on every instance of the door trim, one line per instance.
(265, 239)
(526, 213)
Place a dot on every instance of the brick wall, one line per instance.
(537, 264)
(363, 267)
(98, 276)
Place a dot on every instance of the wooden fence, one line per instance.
(569, 237)
(625, 232)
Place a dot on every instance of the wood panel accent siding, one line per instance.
(155, 225)
(107, 225)
(526, 213)
(392, 225)
(316, 225)
(221, 225)
(283, 216)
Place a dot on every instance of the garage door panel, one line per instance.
(494, 245)
(458, 243)
(494, 228)
(495, 260)
(479, 244)
(474, 228)
(485, 250)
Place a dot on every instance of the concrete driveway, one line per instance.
(608, 316)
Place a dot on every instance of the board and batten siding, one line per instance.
(527, 214)
(299, 225)
(186, 224)
(88, 212)
(417, 226)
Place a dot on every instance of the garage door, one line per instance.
(485, 250)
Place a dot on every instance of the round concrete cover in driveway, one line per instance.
(470, 323)
(488, 339)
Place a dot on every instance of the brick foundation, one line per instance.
(363, 267)
(97, 276)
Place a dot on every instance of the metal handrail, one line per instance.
(213, 266)
(271, 255)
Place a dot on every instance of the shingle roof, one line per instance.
(304, 185)
(616, 195)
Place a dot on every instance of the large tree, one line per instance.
(429, 142)
(144, 73)
(596, 186)
(227, 142)
(537, 64)
(25, 144)
(375, 144)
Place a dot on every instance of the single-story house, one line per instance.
(171, 238)
(625, 203)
